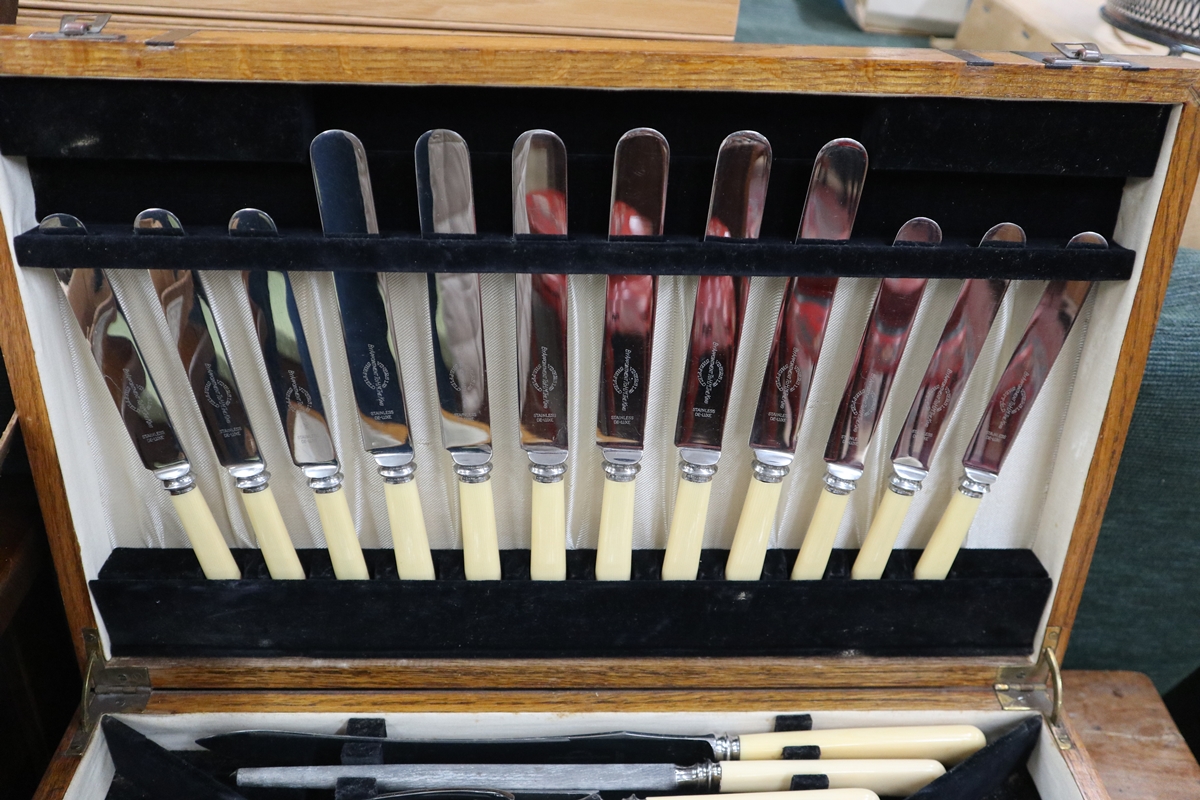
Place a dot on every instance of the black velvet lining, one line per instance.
(215, 250)
(155, 603)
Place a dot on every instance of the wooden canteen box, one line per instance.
(214, 121)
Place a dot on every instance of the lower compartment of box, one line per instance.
(156, 603)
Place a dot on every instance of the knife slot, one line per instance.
(155, 605)
(671, 255)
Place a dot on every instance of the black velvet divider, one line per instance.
(990, 771)
(215, 250)
(155, 603)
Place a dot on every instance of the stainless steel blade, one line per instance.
(111, 342)
(539, 173)
(289, 365)
(735, 211)
(951, 364)
(508, 777)
(198, 342)
(874, 369)
(1025, 374)
(447, 207)
(347, 208)
(637, 208)
(829, 210)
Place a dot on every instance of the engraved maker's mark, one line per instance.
(375, 376)
(297, 394)
(544, 379)
(710, 374)
(218, 394)
(625, 380)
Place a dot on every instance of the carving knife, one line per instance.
(945, 743)
(539, 174)
(202, 352)
(962, 339)
(343, 186)
(447, 207)
(735, 210)
(1015, 394)
(829, 210)
(896, 777)
(639, 197)
(298, 398)
(111, 343)
(867, 390)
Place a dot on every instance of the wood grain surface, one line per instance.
(42, 452)
(1134, 745)
(61, 770)
(554, 61)
(688, 19)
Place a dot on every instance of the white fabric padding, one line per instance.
(115, 502)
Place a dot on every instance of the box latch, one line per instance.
(1036, 688)
(81, 26)
(106, 690)
(1086, 54)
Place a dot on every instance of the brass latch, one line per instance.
(106, 690)
(1037, 687)
(81, 26)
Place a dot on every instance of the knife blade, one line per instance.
(945, 743)
(1014, 396)
(867, 389)
(898, 777)
(297, 397)
(951, 364)
(347, 207)
(201, 350)
(735, 210)
(637, 207)
(447, 207)
(539, 174)
(829, 210)
(111, 342)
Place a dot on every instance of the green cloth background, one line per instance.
(1141, 605)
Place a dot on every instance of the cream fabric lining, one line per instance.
(116, 502)
(1046, 765)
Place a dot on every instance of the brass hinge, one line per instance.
(106, 690)
(81, 26)
(1037, 687)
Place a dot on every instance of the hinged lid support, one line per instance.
(1086, 54)
(106, 690)
(81, 26)
(1037, 687)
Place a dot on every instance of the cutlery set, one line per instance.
(539, 210)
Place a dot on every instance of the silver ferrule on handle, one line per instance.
(323, 478)
(841, 480)
(250, 478)
(401, 473)
(976, 483)
(177, 478)
(705, 777)
(726, 748)
(473, 473)
(547, 466)
(906, 480)
(769, 473)
(698, 465)
(622, 470)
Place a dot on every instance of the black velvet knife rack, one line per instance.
(103, 150)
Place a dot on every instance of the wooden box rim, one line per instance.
(597, 63)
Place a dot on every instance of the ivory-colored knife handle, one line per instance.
(749, 549)
(818, 542)
(614, 550)
(945, 743)
(548, 532)
(812, 794)
(211, 550)
(409, 539)
(881, 538)
(340, 538)
(947, 538)
(481, 547)
(886, 776)
(682, 560)
(272, 535)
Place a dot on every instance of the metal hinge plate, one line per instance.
(1075, 54)
(81, 26)
(106, 690)
(1036, 687)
